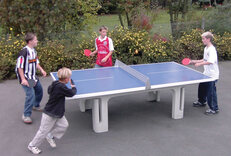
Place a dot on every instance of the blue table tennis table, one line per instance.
(96, 86)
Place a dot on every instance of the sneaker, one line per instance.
(198, 104)
(39, 109)
(26, 119)
(51, 141)
(211, 112)
(34, 149)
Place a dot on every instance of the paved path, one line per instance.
(137, 127)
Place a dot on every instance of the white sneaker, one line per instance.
(51, 141)
(26, 119)
(34, 149)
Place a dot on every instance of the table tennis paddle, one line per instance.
(72, 82)
(87, 52)
(31, 83)
(186, 61)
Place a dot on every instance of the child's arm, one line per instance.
(106, 57)
(96, 50)
(69, 92)
(111, 49)
(93, 53)
(41, 70)
(202, 63)
(23, 79)
(196, 61)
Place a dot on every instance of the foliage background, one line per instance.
(46, 17)
(131, 47)
(64, 31)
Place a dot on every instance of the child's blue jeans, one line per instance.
(33, 97)
(207, 92)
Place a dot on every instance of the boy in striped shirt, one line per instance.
(27, 64)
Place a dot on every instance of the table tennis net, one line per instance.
(134, 73)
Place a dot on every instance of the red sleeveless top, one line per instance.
(103, 50)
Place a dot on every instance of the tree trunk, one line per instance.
(177, 8)
(172, 20)
(128, 20)
(121, 20)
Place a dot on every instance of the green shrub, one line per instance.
(131, 47)
(54, 55)
(5, 68)
(222, 43)
(189, 45)
(9, 48)
(136, 47)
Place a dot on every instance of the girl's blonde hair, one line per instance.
(64, 73)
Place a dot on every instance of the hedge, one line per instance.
(131, 47)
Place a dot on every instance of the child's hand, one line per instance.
(44, 73)
(25, 82)
(192, 62)
(92, 54)
(72, 83)
(197, 64)
(104, 60)
(72, 86)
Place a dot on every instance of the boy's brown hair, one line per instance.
(29, 36)
(103, 28)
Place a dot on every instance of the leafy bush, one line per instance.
(47, 16)
(222, 42)
(54, 55)
(135, 47)
(131, 47)
(5, 68)
(189, 45)
(9, 48)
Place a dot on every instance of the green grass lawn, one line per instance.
(111, 21)
(161, 24)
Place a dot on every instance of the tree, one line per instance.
(130, 8)
(177, 12)
(46, 16)
(107, 6)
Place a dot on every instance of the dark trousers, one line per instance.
(207, 92)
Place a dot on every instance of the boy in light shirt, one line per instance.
(207, 90)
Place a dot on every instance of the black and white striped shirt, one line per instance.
(27, 60)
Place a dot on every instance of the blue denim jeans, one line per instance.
(33, 97)
(207, 92)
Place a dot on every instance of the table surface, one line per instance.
(111, 80)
